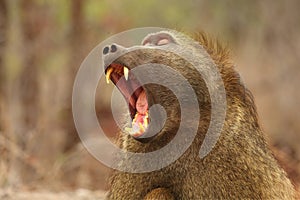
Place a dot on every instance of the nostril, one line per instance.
(113, 48)
(105, 50)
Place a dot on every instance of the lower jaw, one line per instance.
(139, 125)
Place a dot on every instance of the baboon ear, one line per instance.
(158, 39)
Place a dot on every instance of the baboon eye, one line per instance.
(163, 42)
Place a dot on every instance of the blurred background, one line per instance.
(43, 42)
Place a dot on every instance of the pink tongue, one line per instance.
(142, 104)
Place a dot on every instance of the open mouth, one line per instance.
(134, 94)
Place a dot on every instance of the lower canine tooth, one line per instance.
(126, 71)
(141, 127)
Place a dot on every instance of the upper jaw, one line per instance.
(129, 57)
(118, 67)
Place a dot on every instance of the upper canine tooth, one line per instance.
(126, 71)
(109, 71)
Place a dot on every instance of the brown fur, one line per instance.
(159, 194)
(240, 166)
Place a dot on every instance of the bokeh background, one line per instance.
(43, 42)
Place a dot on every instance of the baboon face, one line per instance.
(147, 76)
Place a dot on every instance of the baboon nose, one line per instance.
(113, 48)
(105, 50)
(111, 52)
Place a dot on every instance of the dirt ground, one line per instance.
(80, 194)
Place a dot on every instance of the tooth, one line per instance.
(126, 71)
(134, 119)
(109, 71)
(141, 127)
(146, 121)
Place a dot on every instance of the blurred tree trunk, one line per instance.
(3, 80)
(4, 147)
(76, 57)
(31, 26)
(29, 85)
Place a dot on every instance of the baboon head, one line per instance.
(156, 80)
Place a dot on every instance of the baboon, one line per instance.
(239, 166)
